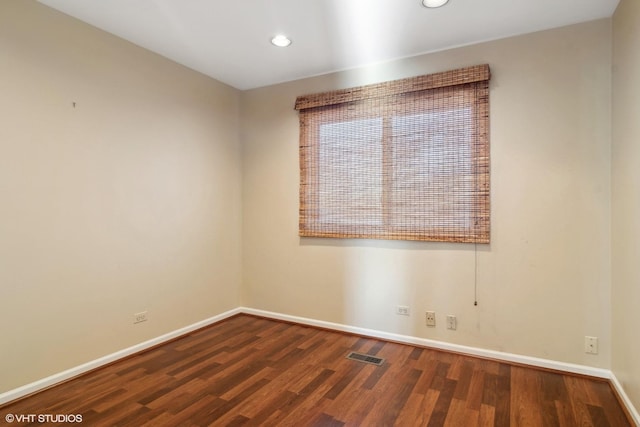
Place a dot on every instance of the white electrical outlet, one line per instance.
(140, 317)
(591, 345)
(452, 322)
(402, 310)
(431, 318)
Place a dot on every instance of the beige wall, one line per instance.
(130, 201)
(626, 198)
(544, 281)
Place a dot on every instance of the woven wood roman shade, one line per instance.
(402, 160)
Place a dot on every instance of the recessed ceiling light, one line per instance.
(281, 41)
(434, 3)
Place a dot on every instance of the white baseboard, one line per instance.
(85, 367)
(473, 351)
(625, 399)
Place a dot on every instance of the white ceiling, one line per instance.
(229, 40)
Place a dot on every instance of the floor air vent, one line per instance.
(365, 358)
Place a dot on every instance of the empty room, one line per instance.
(320, 212)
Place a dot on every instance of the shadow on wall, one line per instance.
(379, 275)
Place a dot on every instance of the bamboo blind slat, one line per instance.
(405, 160)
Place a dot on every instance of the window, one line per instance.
(403, 160)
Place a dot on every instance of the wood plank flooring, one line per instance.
(259, 372)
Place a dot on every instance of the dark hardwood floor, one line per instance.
(253, 371)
